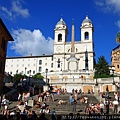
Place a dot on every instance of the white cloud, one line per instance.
(99, 3)
(115, 4)
(18, 10)
(112, 6)
(14, 10)
(28, 42)
(7, 11)
(109, 5)
(118, 23)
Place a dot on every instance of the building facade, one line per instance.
(115, 58)
(83, 50)
(4, 38)
(70, 60)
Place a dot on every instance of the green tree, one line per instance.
(38, 75)
(17, 77)
(102, 68)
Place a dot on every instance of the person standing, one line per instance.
(115, 103)
(19, 97)
(107, 103)
(74, 105)
(53, 114)
(101, 108)
(70, 98)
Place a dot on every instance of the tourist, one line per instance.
(75, 95)
(3, 104)
(65, 91)
(33, 115)
(101, 108)
(52, 96)
(86, 99)
(40, 97)
(73, 91)
(48, 96)
(42, 108)
(70, 98)
(37, 104)
(61, 102)
(116, 95)
(27, 96)
(74, 105)
(115, 104)
(19, 96)
(47, 109)
(107, 103)
(80, 92)
(107, 89)
(53, 114)
(23, 96)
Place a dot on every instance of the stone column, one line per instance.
(46, 88)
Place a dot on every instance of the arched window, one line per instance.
(51, 65)
(58, 62)
(86, 36)
(60, 38)
(40, 69)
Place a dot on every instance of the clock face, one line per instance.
(58, 48)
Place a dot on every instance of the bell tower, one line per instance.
(87, 30)
(61, 33)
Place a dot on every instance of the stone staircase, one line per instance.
(67, 108)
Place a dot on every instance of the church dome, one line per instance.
(86, 20)
(61, 22)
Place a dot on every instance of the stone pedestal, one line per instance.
(46, 88)
(96, 89)
(114, 88)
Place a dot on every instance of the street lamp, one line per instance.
(61, 66)
(113, 77)
(29, 76)
(25, 72)
(46, 71)
(16, 71)
(96, 83)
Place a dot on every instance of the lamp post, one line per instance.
(96, 83)
(113, 77)
(16, 71)
(61, 66)
(46, 71)
(25, 72)
(29, 76)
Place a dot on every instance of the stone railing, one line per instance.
(87, 80)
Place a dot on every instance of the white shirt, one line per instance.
(101, 105)
(4, 101)
(115, 102)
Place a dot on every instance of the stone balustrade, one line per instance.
(87, 80)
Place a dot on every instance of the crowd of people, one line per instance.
(44, 97)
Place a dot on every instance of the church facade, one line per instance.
(71, 61)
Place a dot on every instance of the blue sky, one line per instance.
(32, 23)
